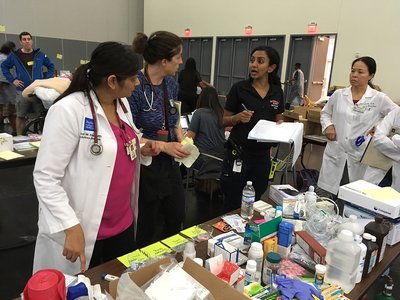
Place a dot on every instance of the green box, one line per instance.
(265, 230)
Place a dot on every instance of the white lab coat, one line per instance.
(389, 144)
(71, 183)
(350, 121)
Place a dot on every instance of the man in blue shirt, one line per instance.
(28, 64)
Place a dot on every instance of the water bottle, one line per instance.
(248, 198)
(310, 198)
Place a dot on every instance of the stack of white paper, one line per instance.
(286, 132)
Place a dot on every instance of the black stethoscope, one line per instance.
(96, 148)
(172, 109)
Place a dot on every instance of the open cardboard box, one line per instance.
(218, 288)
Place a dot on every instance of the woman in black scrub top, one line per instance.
(258, 98)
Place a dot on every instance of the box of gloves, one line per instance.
(6, 142)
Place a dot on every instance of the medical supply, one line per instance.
(285, 232)
(380, 230)
(342, 258)
(248, 199)
(250, 273)
(320, 271)
(229, 273)
(210, 247)
(46, 284)
(256, 253)
(270, 245)
(109, 277)
(278, 211)
(387, 292)
(352, 225)
(79, 291)
(280, 193)
(271, 267)
(358, 239)
(253, 289)
(198, 261)
(189, 251)
(6, 142)
(265, 230)
(261, 206)
(291, 288)
(311, 246)
(371, 254)
(310, 198)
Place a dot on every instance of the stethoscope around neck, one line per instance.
(96, 148)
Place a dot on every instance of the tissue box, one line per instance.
(6, 142)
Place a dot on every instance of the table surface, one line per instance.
(114, 267)
(28, 159)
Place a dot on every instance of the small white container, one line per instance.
(352, 225)
(250, 273)
(189, 251)
(256, 253)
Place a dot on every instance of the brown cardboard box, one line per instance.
(314, 114)
(312, 128)
(218, 288)
(298, 113)
(311, 246)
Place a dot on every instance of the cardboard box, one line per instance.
(311, 246)
(6, 142)
(218, 288)
(312, 128)
(266, 230)
(354, 192)
(314, 114)
(362, 213)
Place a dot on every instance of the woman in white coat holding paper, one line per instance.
(346, 121)
(87, 170)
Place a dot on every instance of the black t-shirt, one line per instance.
(188, 81)
(264, 109)
(27, 60)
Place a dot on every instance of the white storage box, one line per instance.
(386, 202)
(6, 142)
(278, 193)
(361, 213)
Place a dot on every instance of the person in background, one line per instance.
(258, 98)
(296, 84)
(207, 130)
(87, 170)
(28, 64)
(346, 120)
(189, 79)
(7, 90)
(387, 140)
(152, 104)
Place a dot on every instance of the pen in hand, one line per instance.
(244, 106)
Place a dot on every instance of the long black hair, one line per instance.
(208, 98)
(109, 58)
(274, 59)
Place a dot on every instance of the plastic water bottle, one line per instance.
(310, 197)
(248, 198)
(343, 258)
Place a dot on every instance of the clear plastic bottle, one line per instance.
(310, 198)
(352, 225)
(343, 257)
(272, 264)
(358, 239)
(248, 198)
(256, 253)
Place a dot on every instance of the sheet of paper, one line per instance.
(136, 255)
(174, 241)
(24, 146)
(188, 145)
(36, 144)
(155, 249)
(7, 155)
(193, 231)
(385, 193)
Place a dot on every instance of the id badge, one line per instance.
(131, 149)
(360, 108)
(237, 166)
(162, 135)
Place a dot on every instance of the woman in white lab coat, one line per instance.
(346, 120)
(87, 170)
(387, 140)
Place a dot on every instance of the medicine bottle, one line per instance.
(256, 253)
(272, 264)
(250, 273)
(320, 271)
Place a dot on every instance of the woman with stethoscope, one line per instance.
(87, 170)
(346, 121)
(152, 104)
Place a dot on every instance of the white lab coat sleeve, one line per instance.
(388, 146)
(387, 105)
(327, 111)
(59, 141)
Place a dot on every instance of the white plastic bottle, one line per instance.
(358, 240)
(256, 253)
(352, 225)
(248, 198)
(190, 251)
(250, 273)
(310, 198)
(342, 258)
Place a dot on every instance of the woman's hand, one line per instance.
(330, 132)
(150, 148)
(242, 117)
(175, 149)
(74, 245)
